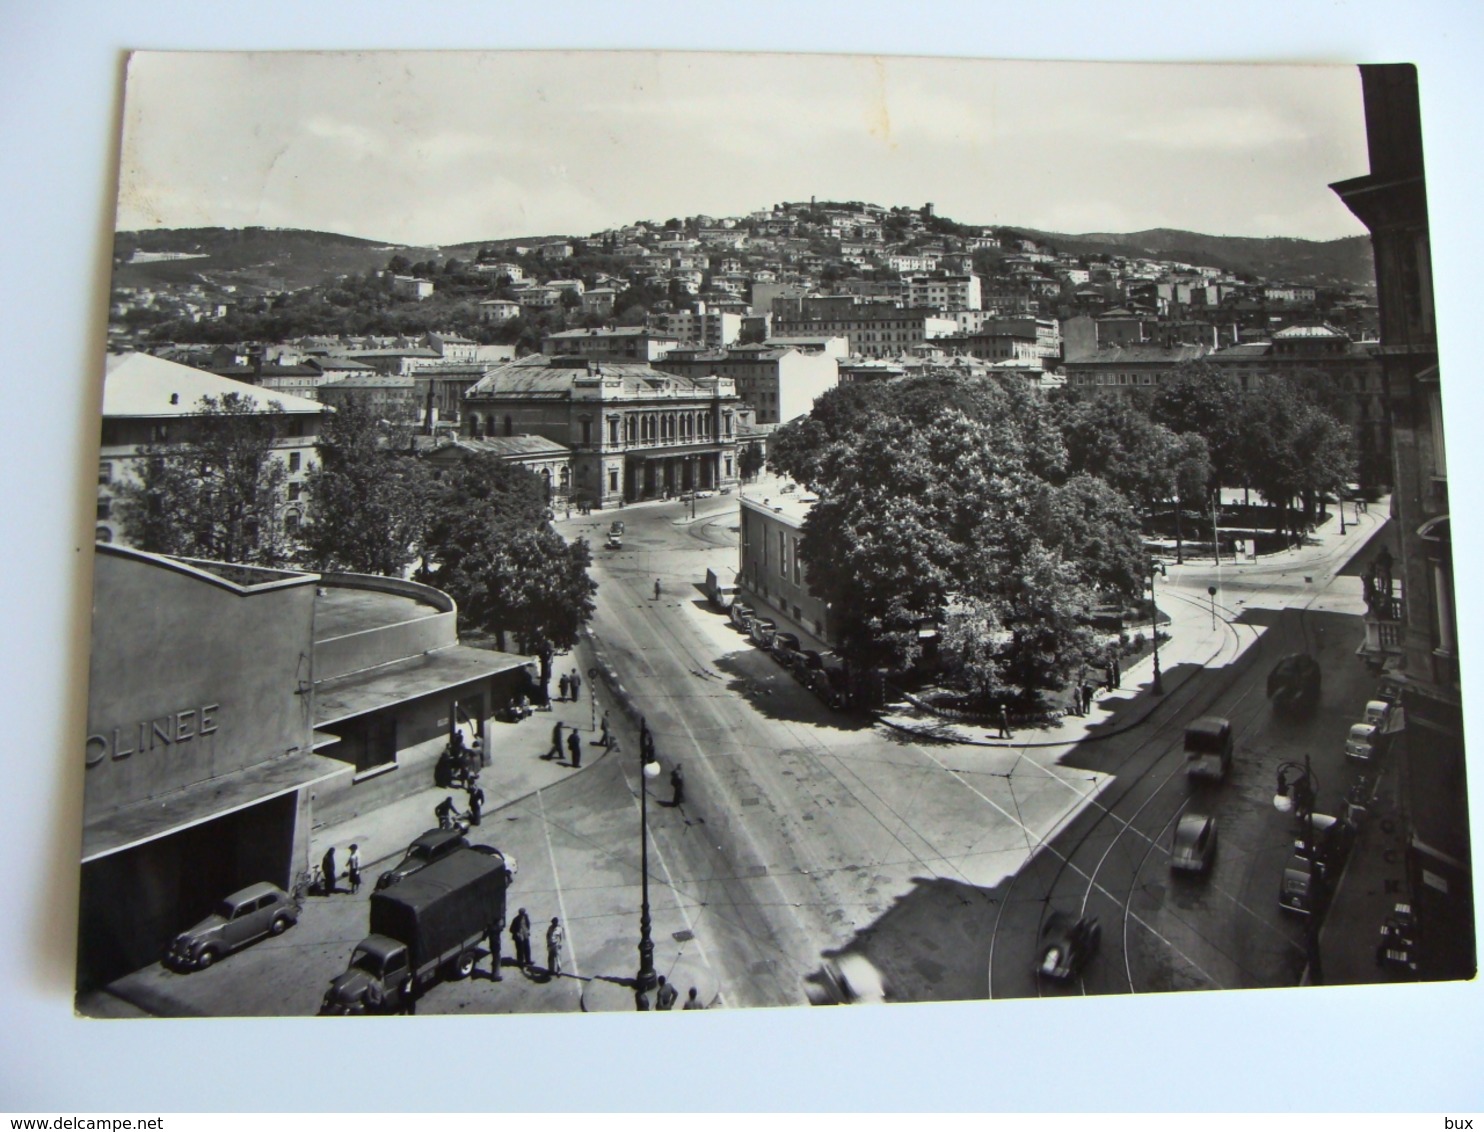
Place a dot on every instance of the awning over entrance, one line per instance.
(347, 697)
(204, 801)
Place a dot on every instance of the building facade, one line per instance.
(634, 432)
(770, 573)
(148, 401)
(1417, 598)
(779, 383)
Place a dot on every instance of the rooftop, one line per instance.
(140, 385)
(340, 610)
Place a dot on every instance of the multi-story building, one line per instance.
(546, 459)
(599, 301)
(1416, 598)
(634, 432)
(713, 330)
(411, 287)
(451, 347)
(942, 292)
(619, 343)
(391, 397)
(780, 383)
(1123, 367)
(1324, 354)
(498, 310)
(149, 401)
(873, 329)
(440, 392)
(770, 573)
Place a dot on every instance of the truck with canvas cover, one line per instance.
(427, 927)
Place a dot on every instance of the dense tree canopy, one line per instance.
(368, 504)
(490, 546)
(215, 492)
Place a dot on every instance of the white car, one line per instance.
(704, 494)
(1377, 712)
(1360, 744)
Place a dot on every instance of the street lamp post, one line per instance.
(1155, 568)
(646, 979)
(1298, 787)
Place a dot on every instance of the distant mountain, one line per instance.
(1344, 262)
(276, 258)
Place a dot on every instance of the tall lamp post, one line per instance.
(1298, 786)
(1155, 568)
(646, 979)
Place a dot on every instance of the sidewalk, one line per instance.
(1192, 646)
(516, 771)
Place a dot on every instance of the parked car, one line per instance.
(614, 542)
(1360, 744)
(616, 527)
(1294, 683)
(1377, 713)
(1067, 945)
(1301, 890)
(741, 615)
(784, 646)
(426, 848)
(245, 917)
(1332, 839)
(704, 494)
(1194, 845)
(762, 630)
(787, 488)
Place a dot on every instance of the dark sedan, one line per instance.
(427, 848)
(1067, 945)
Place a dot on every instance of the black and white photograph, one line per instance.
(523, 519)
(744, 523)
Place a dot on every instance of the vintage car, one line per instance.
(1194, 845)
(245, 917)
(1067, 945)
(426, 848)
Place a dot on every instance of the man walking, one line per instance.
(665, 996)
(555, 937)
(1005, 732)
(656, 589)
(353, 868)
(556, 743)
(677, 786)
(1117, 673)
(576, 683)
(606, 740)
(327, 866)
(563, 684)
(520, 934)
(574, 748)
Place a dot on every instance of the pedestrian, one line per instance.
(1005, 732)
(353, 868)
(555, 937)
(574, 748)
(1117, 673)
(564, 684)
(327, 866)
(656, 589)
(607, 737)
(1086, 697)
(556, 743)
(665, 996)
(520, 934)
(641, 999)
(677, 785)
(692, 1001)
(476, 803)
(443, 813)
(576, 682)
(492, 935)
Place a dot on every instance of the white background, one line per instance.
(60, 71)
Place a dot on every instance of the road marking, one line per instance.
(556, 879)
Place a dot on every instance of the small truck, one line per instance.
(722, 594)
(427, 927)
(1208, 748)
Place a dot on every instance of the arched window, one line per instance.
(291, 523)
(476, 425)
(102, 534)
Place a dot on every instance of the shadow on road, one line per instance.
(775, 694)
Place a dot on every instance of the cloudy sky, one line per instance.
(442, 148)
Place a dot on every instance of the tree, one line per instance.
(368, 504)
(750, 460)
(216, 492)
(492, 549)
(1114, 439)
(1203, 400)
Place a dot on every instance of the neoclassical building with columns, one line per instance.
(635, 433)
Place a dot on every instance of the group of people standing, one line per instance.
(520, 936)
(328, 884)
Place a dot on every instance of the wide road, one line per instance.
(806, 834)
